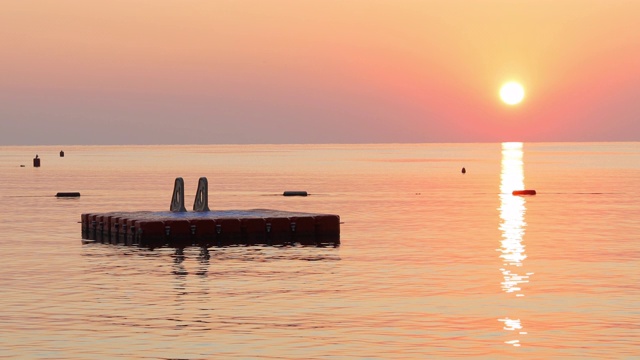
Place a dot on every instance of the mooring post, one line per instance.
(177, 200)
(201, 203)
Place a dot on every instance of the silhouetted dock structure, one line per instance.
(206, 228)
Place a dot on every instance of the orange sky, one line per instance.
(255, 71)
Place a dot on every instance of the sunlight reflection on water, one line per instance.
(512, 210)
(512, 226)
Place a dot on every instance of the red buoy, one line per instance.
(523, 192)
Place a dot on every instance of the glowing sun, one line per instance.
(512, 93)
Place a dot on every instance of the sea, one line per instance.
(433, 263)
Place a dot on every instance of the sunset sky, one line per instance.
(317, 71)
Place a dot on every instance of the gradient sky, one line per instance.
(321, 71)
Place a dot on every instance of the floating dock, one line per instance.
(206, 228)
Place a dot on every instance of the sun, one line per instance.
(512, 93)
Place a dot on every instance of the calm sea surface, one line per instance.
(433, 263)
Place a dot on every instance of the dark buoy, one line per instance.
(68, 194)
(295, 193)
(523, 192)
(36, 161)
(464, 171)
(61, 153)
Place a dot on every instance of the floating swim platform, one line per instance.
(214, 228)
(179, 228)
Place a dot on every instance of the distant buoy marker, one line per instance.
(68, 194)
(295, 193)
(61, 153)
(523, 192)
(36, 161)
(464, 171)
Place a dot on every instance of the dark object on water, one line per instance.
(36, 161)
(295, 193)
(523, 192)
(205, 228)
(21, 165)
(216, 228)
(61, 153)
(464, 171)
(68, 194)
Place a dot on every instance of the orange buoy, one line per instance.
(523, 192)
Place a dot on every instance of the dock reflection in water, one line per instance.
(512, 226)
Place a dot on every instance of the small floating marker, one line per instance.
(523, 192)
(36, 161)
(68, 194)
(21, 165)
(464, 171)
(61, 153)
(295, 193)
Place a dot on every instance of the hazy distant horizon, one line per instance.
(325, 144)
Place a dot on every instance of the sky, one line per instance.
(317, 71)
